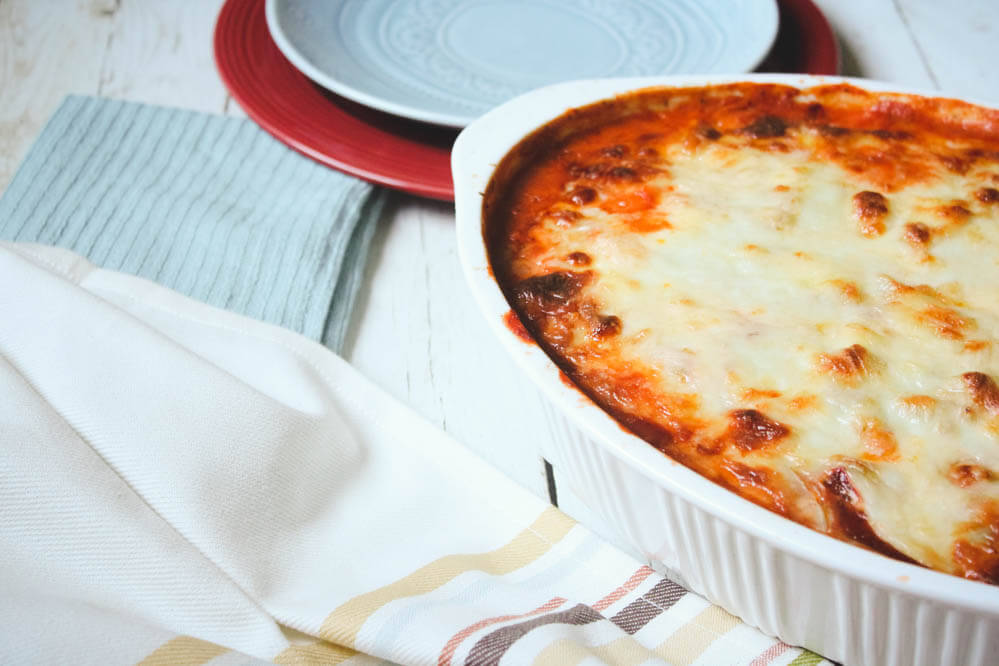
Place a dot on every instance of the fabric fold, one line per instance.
(233, 491)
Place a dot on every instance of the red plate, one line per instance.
(399, 153)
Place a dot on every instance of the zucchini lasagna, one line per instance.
(794, 292)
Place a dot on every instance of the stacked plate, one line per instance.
(380, 88)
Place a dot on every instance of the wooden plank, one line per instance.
(958, 42)
(875, 42)
(160, 52)
(47, 50)
(154, 51)
(947, 46)
(422, 338)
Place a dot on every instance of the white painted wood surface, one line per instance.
(417, 332)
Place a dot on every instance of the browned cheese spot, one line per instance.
(955, 164)
(583, 195)
(709, 133)
(879, 442)
(977, 555)
(618, 151)
(766, 127)
(917, 234)
(850, 364)
(987, 195)
(579, 259)
(848, 289)
(870, 209)
(605, 326)
(965, 475)
(754, 395)
(815, 110)
(751, 430)
(802, 402)
(955, 213)
(945, 322)
(921, 402)
(976, 345)
(565, 217)
(589, 171)
(623, 173)
(756, 484)
(548, 294)
(846, 508)
(900, 289)
(983, 391)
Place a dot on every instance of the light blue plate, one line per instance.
(449, 61)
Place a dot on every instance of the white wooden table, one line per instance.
(417, 332)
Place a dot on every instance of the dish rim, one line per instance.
(476, 153)
(443, 118)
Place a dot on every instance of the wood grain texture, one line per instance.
(160, 52)
(47, 50)
(154, 51)
(946, 46)
(958, 44)
(875, 42)
(420, 336)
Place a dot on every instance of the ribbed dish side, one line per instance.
(840, 617)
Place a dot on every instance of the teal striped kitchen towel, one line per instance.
(210, 206)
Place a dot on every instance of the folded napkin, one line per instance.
(211, 206)
(181, 484)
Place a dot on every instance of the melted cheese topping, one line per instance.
(792, 292)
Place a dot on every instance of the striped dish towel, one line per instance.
(184, 485)
(213, 207)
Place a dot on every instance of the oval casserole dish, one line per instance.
(809, 589)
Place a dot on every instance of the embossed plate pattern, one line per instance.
(449, 61)
(396, 152)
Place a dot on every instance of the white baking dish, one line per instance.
(809, 589)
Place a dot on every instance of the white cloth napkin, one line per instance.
(180, 484)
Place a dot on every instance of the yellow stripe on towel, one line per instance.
(314, 654)
(183, 651)
(688, 642)
(343, 624)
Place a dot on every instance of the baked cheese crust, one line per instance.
(793, 292)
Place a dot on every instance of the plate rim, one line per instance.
(239, 27)
(302, 63)
(240, 21)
